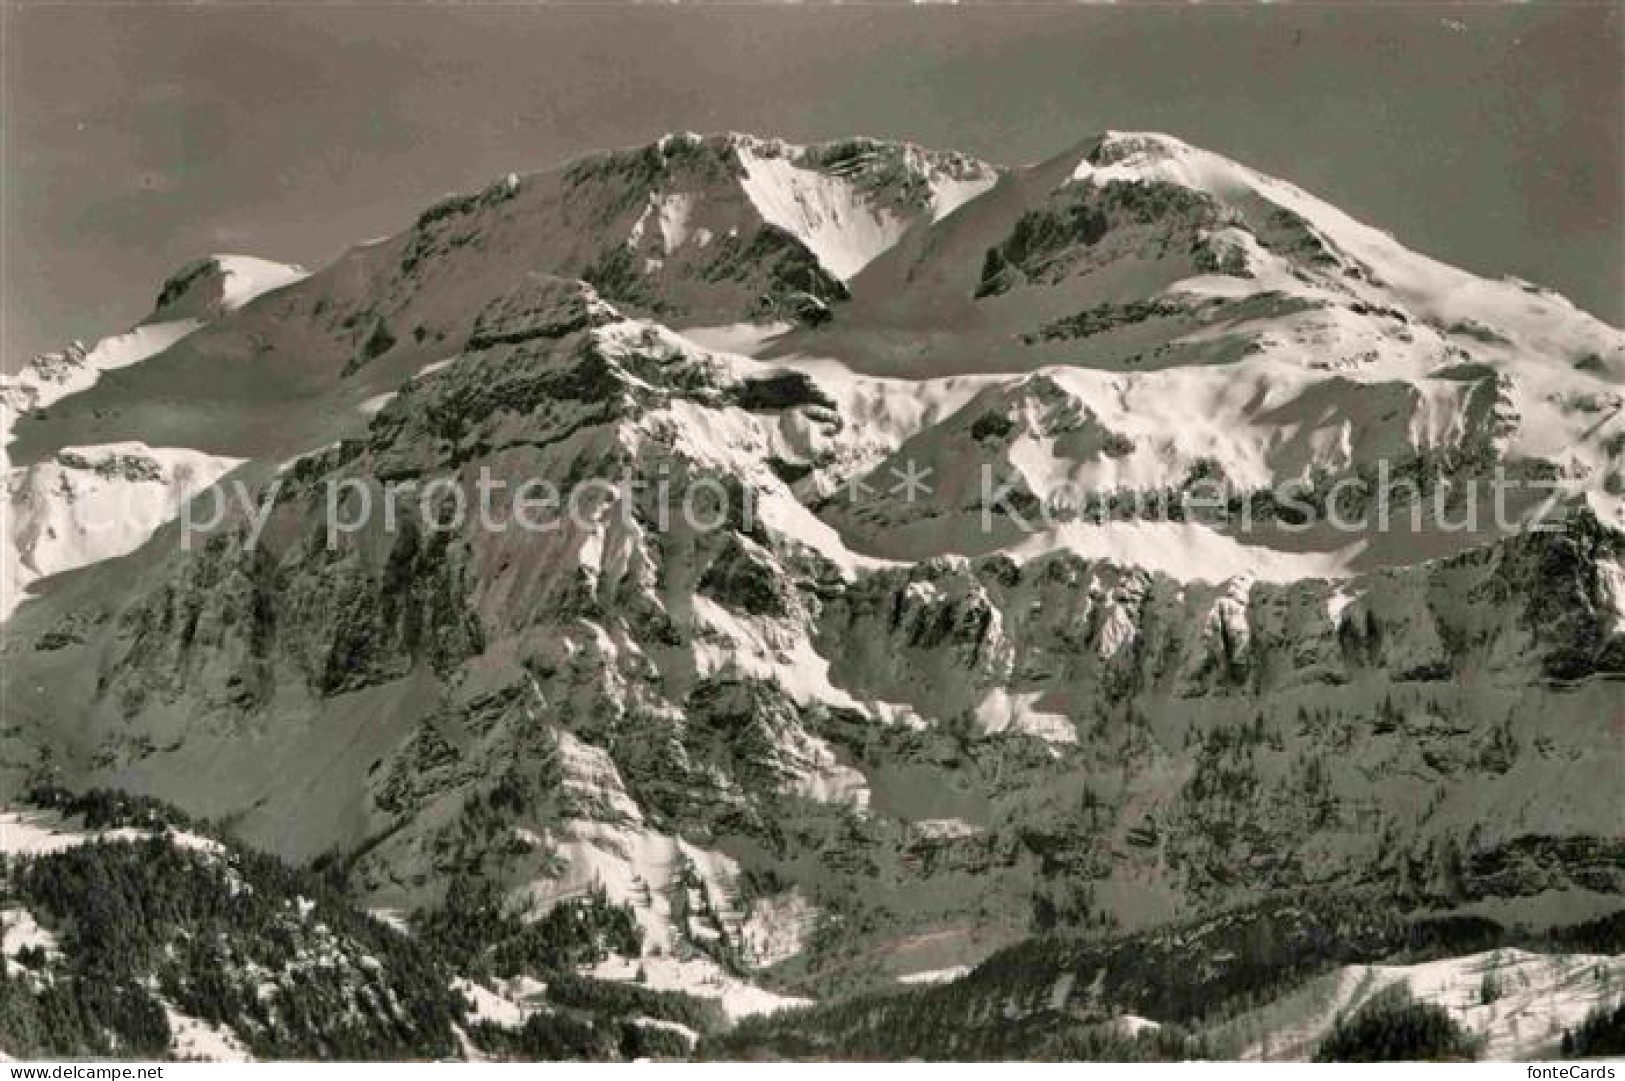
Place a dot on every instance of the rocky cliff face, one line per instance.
(801, 719)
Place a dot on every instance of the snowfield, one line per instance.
(1538, 318)
(935, 975)
(701, 977)
(193, 1039)
(39, 833)
(832, 216)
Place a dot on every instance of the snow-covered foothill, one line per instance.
(1517, 1001)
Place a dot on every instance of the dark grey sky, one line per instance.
(137, 138)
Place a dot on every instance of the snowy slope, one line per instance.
(1535, 997)
(198, 293)
(196, 1040)
(1161, 310)
(216, 284)
(1218, 257)
(33, 832)
(93, 503)
(52, 376)
(1533, 320)
(87, 503)
(812, 195)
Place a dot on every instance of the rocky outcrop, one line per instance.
(1085, 227)
(540, 307)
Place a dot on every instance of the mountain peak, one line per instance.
(218, 283)
(540, 306)
(1112, 146)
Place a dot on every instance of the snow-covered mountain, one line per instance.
(209, 288)
(89, 503)
(197, 293)
(869, 722)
